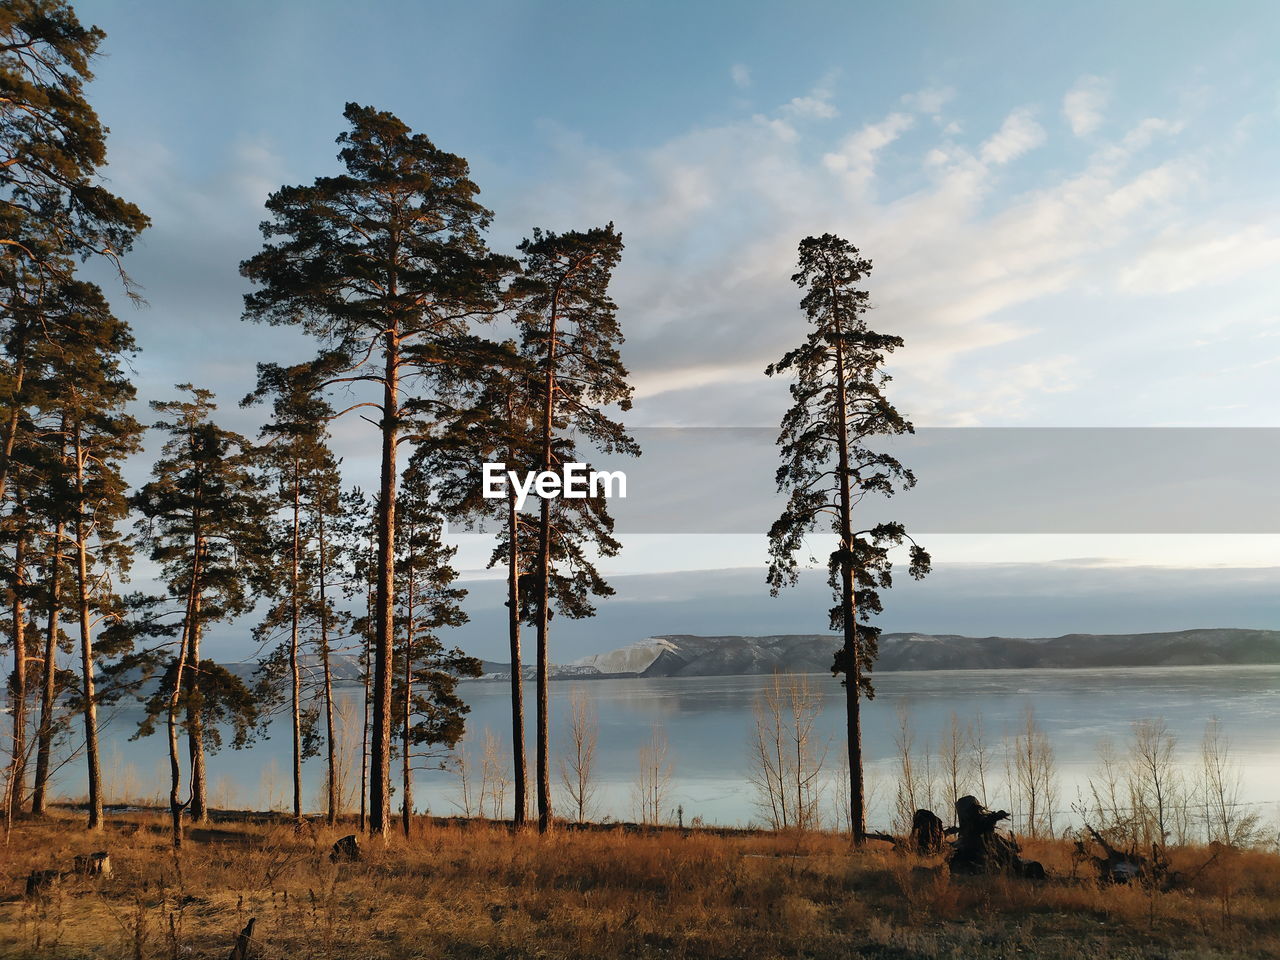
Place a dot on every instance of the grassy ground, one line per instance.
(474, 890)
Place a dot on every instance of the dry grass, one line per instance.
(475, 891)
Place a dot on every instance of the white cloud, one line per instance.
(1084, 103)
(965, 273)
(930, 100)
(816, 107)
(855, 159)
(1018, 134)
(1209, 256)
(740, 75)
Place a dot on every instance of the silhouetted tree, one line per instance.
(501, 427)
(87, 388)
(385, 264)
(53, 209)
(430, 712)
(204, 522)
(838, 404)
(305, 475)
(570, 335)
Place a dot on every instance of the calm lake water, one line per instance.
(708, 723)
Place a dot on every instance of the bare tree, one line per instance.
(915, 786)
(1221, 785)
(1035, 778)
(1154, 777)
(786, 762)
(979, 757)
(495, 777)
(461, 760)
(653, 780)
(952, 760)
(576, 766)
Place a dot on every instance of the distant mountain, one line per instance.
(682, 655)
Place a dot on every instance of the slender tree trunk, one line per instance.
(853, 655)
(175, 699)
(364, 741)
(195, 711)
(520, 810)
(544, 578)
(295, 675)
(326, 667)
(17, 780)
(44, 746)
(407, 717)
(380, 761)
(86, 651)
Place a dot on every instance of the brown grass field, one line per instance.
(473, 890)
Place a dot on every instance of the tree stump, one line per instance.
(246, 947)
(93, 865)
(926, 832)
(39, 881)
(346, 850)
(979, 849)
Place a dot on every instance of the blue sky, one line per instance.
(1073, 208)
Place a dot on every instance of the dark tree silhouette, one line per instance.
(838, 404)
(385, 264)
(204, 524)
(571, 337)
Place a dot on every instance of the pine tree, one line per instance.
(827, 467)
(501, 427)
(52, 144)
(88, 389)
(570, 332)
(430, 712)
(385, 264)
(305, 475)
(53, 209)
(204, 526)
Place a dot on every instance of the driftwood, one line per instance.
(1125, 866)
(978, 848)
(346, 850)
(246, 947)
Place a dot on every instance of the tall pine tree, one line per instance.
(386, 265)
(204, 524)
(304, 472)
(838, 405)
(570, 334)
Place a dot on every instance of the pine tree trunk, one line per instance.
(544, 578)
(175, 698)
(384, 606)
(17, 780)
(294, 627)
(521, 806)
(92, 757)
(407, 716)
(364, 740)
(853, 655)
(44, 746)
(195, 710)
(326, 667)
